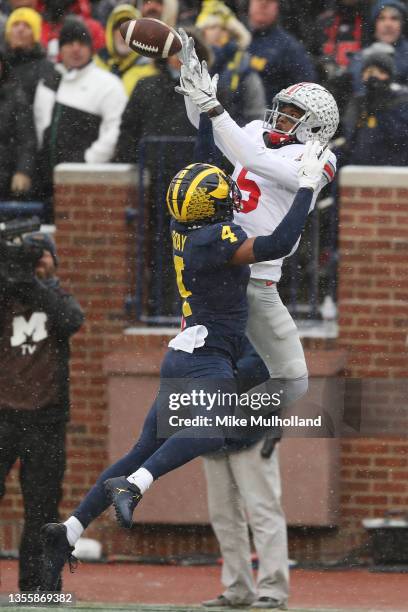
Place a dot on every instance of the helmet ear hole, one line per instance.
(317, 129)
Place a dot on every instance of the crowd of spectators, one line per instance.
(57, 90)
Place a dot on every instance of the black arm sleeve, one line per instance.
(283, 239)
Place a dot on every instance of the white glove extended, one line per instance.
(188, 55)
(195, 80)
(313, 161)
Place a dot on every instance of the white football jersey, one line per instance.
(267, 178)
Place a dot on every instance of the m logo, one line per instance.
(25, 331)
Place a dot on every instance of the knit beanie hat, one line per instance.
(380, 55)
(45, 242)
(394, 4)
(74, 29)
(29, 16)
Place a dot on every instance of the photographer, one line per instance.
(37, 319)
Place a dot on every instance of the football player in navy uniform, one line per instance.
(211, 257)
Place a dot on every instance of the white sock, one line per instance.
(74, 530)
(142, 478)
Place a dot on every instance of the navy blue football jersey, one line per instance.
(213, 292)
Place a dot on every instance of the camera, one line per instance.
(18, 257)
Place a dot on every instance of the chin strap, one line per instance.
(275, 139)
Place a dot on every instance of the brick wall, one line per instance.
(373, 323)
(96, 251)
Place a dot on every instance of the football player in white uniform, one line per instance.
(266, 155)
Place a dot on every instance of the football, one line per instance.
(151, 37)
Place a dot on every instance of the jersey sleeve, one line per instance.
(238, 146)
(220, 245)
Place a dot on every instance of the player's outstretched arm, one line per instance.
(283, 239)
(200, 92)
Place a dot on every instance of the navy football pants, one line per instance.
(161, 455)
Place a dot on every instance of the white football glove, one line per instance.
(195, 80)
(313, 161)
(188, 55)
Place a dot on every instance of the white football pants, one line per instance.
(245, 488)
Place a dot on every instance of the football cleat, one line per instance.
(56, 552)
(124, 496)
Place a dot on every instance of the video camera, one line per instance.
(18, 258)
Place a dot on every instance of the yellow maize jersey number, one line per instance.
(179, 266)
(227, 234)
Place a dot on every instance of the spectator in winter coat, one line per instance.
(117, 56)
(54, 13)
(17, 139)
(7, 7)
(165, 10)
(240, 88)
(337, 34)
(388, 18)
(376, 122)
(77, 111)
(23, 52)
(276, 55)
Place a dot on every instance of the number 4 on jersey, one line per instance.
(250, 192)
(228, 234)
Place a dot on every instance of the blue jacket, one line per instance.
(401, 66)
(401, 50)
(279, 59)
(379, 138)
(240, 88)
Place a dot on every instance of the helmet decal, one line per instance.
(202, 193)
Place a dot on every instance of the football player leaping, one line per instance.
(211, 254)
(266, 157)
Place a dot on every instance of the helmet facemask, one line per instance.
(272, 116)
(306, 127)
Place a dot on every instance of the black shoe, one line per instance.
(56, 552)
(268, 603)
(124, 496)
(223, 602)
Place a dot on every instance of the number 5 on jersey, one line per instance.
(250, 192)
(184, 293)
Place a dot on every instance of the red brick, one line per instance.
(391, 462)
(356, 461)
(357, 231)
(371, 500)
(371, 474)
(399, 475)
(376, 192)
(390, 487)
(391, 206)
(372, 449)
